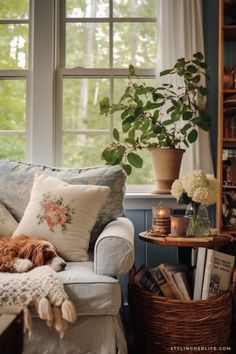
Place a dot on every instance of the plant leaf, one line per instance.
(168, 122)
(135, 160)
(191, 69)
(116, 134)
(192, 136)
(165, 72)
(104, 105)
(107, 155)
(187, 115)
(198, 56)
(185, 128)
(202, 90)
(125, 127)
(127, 168)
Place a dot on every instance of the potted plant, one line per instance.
(161, 119)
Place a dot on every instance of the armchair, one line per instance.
(92, 285)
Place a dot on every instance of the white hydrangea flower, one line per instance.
(177, 189)
(201, 188)
(195, 180)
(200, 195)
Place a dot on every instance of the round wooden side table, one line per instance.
(186, 244)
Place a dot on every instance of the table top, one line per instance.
(204, 241)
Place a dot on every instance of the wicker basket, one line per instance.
(161, 323)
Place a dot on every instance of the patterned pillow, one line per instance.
(7, 223)
(18, 176)
(64, 214)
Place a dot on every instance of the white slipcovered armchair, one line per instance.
(93, 285)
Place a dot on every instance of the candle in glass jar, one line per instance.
(161, 212)
(178, 226)
(161, 220)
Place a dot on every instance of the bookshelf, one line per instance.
(226, 156)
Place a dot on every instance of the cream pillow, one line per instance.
(8, 224)
(63, 214)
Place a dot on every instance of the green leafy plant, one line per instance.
(158, 117)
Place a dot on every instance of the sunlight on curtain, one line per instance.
(180, 34)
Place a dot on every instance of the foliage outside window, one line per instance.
(14, 62)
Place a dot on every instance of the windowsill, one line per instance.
(146, 195)
(146, 200)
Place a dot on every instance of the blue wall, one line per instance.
(210, 22)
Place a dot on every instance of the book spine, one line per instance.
(207, 274)
(168, 276)
(199, 274)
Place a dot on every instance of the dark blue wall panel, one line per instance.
(210, 23)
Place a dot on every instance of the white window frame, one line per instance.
(44, 82)
(109, 73)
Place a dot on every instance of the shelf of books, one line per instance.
(229, 191)
(226, 158)
(211, 275)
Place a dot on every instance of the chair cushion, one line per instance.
(16, 180)
(8, 224)
(62, 213)
(91, 293)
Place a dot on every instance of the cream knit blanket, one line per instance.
(41, 288)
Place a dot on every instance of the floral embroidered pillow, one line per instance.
(63, 214)
(8, 224)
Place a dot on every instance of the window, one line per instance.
(14, 65)
(98, 41)
(50, 91)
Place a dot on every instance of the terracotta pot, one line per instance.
(166, 167)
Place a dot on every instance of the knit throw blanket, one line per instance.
(41, 288)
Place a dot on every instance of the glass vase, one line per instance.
(198, 222)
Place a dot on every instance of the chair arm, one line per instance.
(114, 248)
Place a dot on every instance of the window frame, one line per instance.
(18, 74)
(44, 77)
(110, 73)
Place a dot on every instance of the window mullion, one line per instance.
(14, 21)
(84, 72)
(42, 137)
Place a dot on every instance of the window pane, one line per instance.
(14, 9)
(134, 8)
(138, 48)
(12, 147)
(87, 45)
(142, 175)
(13, 104)
(87, 8)
(83, 150)
(81, 103)
(14, 46)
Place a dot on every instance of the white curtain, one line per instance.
(180, 34)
